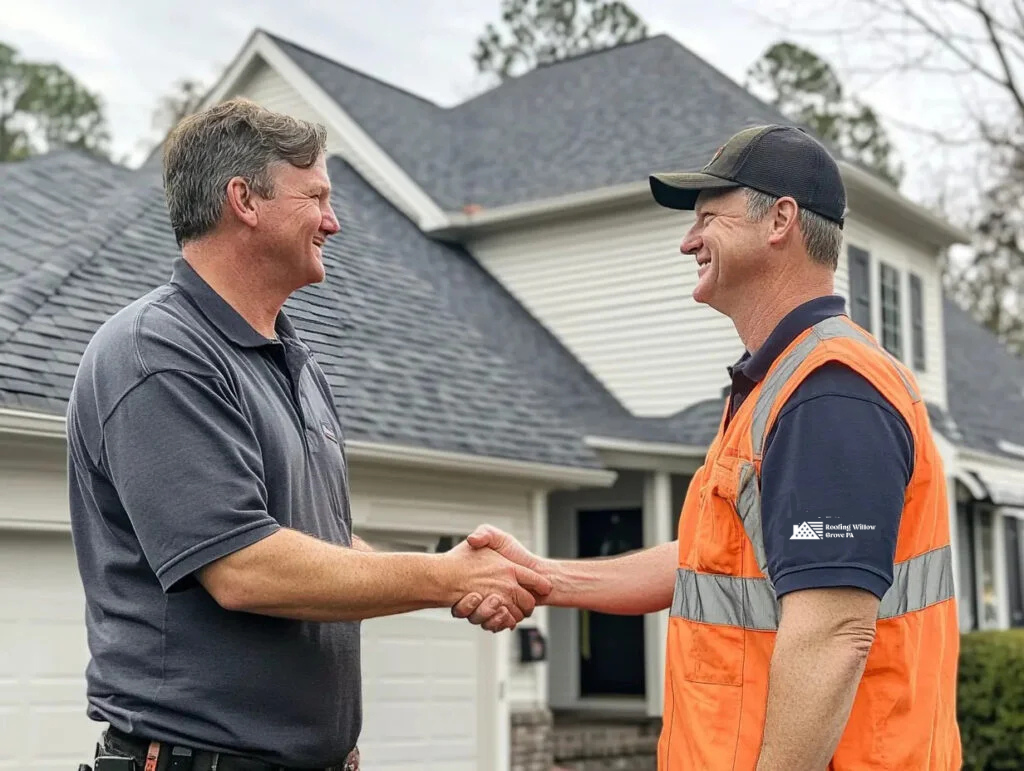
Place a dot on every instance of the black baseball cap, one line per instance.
(778, 160)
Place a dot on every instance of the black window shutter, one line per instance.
(860, 286)
(917, 322)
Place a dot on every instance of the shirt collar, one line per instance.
(220, 313)
(755, 366)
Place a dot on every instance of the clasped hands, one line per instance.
(500, 582)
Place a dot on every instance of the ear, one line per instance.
(242, 201)
(784, 220)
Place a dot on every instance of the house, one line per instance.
(508, 327)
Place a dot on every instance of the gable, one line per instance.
(263, 72)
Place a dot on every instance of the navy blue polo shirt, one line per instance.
(839, 453)
(191, 436)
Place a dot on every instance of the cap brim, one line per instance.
(679, 190)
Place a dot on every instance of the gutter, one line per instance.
(860, 181)
(990, 459)
(21, 423)
(420, 457)
(663, 449)
(460, 225)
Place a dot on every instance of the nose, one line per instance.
(692, 242)
(330, 224)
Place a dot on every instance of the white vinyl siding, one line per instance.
(614, 289)
(616, 292)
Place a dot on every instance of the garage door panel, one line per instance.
(422, 671)
(43, 726)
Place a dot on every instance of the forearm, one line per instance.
(631, 584)
(813, 679)
(293, 575)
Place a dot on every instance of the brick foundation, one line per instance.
(605, 744)
(532, 741)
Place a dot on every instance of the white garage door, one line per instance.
(43, 654)
(429, 685)
(429, 680)
(424, 702)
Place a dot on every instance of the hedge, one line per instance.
(990, 702)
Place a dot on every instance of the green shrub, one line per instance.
(990, 702)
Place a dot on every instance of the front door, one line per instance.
(611, 647)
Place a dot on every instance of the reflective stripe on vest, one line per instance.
(751, 603)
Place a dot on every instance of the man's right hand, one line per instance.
(488, 611)
(511, 590)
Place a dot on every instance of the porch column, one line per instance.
(954, 532)
(657, 527)
(1000, 569)
(540, 613)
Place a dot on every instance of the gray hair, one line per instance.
(823, 238)
(237, 138)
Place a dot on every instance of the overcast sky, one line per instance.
(132, 51)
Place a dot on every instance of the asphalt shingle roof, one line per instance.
(596, 120)
(406, 368)
(985, 386)
(45, 198)
(507, 327)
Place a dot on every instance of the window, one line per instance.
(892, 337)
(917, 323)
(860, 286)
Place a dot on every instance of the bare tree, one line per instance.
(976, 50)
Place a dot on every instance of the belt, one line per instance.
(204, 760)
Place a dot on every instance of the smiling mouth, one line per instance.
(702, 261)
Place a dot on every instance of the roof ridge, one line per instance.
(22, 297)
(598, 52)
(349, 68)
(567, 60)
(54, 155)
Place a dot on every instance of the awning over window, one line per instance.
(1001, 486)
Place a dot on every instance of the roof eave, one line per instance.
(879, 198)
(861, 184)
(24, 423)
(482, 221)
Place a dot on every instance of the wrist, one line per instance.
(442, 580)
(554, 571)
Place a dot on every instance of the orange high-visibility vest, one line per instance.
(725, 614)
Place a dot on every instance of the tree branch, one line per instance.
(946, 40)
(1010, 82)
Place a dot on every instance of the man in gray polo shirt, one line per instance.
(209, 487)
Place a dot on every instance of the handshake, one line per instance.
(495, 582)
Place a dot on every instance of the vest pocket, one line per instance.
(711, 653)
(707, 698)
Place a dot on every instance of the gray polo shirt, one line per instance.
(191, 436)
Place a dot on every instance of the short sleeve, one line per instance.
(834, 480)
(188, 470)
